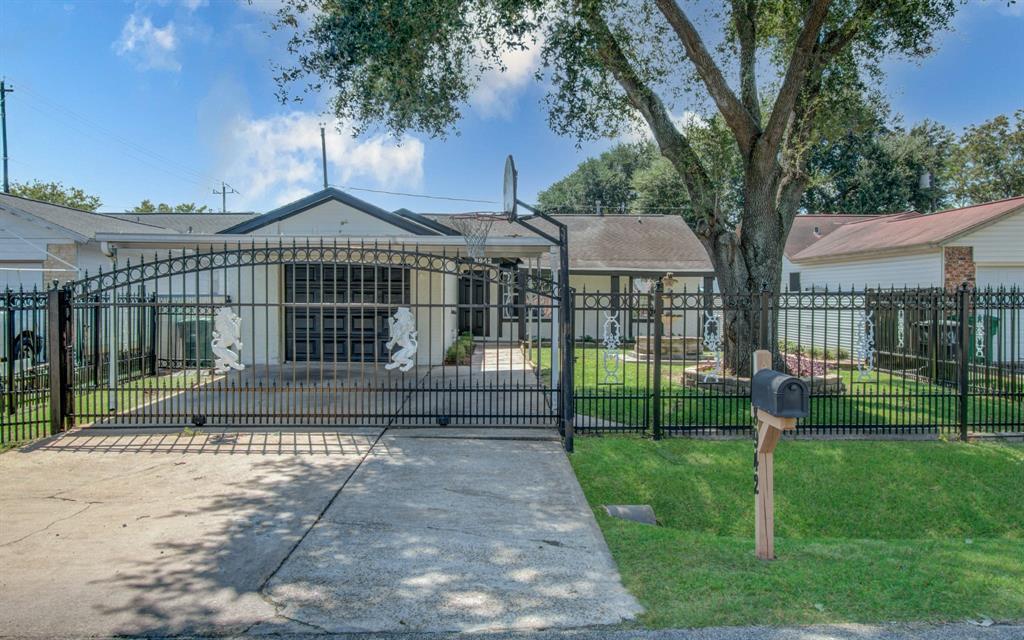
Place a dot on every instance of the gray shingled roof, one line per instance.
(188, 222)
(83, 223)
(624, 243)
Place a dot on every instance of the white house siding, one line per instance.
(21, 275)
(329, 219)
(1001, 243)
(909, 270)
(590, 322)
(1008, 345)
(29, 253)
(435, 322)
(839, 329)
(262, 289)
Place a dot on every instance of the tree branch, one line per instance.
(739, 119)
(793, 82)
(672, 143)
(840, 38)
(745, 19)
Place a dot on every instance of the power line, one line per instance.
(414, 195)
(136, 156)
(73, 115)
(76, 122)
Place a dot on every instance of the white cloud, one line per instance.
(192, 5)
(496, 91)
(152, 47)
(278, 158)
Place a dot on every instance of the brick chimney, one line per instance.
(958, 267)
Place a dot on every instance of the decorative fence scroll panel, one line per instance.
(876, 361)
(295, 335)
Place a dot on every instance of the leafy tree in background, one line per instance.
(878, 169)
(988, 164)
(56, 193)
(605, 179)
(147, 206)
(412, 65)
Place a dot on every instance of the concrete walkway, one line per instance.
(256, 533)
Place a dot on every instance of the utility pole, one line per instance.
(323, 152)
(225, 189)
(4, 90)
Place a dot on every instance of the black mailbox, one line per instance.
(780, 394)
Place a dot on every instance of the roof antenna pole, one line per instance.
(323, 152)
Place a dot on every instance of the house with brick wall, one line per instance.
(980, 245)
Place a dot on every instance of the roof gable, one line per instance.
(326, 195)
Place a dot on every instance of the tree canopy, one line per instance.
(874, 167)
(988, 162)
(57, 193)
(147, 206)
(796, 69)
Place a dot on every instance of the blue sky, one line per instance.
(164, 99)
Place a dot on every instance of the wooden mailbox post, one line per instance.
(769, 429)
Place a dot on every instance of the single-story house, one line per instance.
(982, 245)
(42, 242)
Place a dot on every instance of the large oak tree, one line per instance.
(794, 64)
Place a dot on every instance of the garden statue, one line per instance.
(227, 333)
(403, 333)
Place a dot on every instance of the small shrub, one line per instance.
(461, 351)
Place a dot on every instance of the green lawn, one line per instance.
(882, 399)
(865, 531)
(32, 419)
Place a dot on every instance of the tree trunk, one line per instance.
(748, 262)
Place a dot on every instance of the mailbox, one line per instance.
(779, 394)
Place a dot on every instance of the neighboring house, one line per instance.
(43, 242)
(982, 245)
(626, 253)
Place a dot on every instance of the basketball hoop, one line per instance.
(510, 194)
(474, 227)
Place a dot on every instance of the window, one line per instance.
(794, 281)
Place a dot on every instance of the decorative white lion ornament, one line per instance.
(227, 333)
(403, 334)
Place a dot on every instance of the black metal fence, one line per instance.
(876, 361)
(287, 334)
(25, 374)
(137, 350)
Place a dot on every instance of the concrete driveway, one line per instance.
(219, 533)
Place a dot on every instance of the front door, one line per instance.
(474, 304)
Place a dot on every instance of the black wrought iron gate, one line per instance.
(281, 335)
